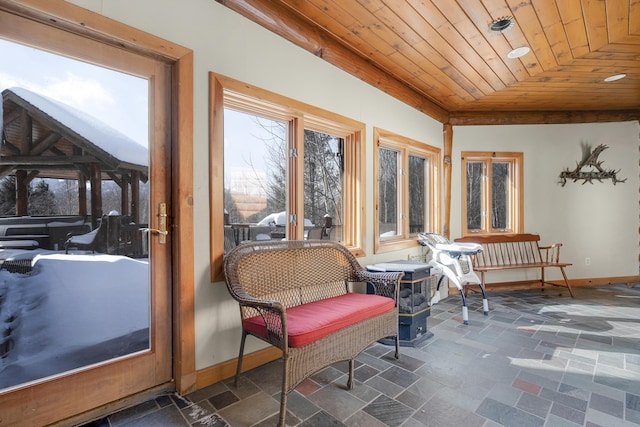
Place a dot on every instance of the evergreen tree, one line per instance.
(41, 201)
(8, 196)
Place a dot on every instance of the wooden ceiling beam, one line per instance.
(46, 160)
(46, 143)
(540, 117)
(300, 32)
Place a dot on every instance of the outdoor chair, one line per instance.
(95, 240)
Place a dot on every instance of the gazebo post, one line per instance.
(124, 194)
(135, 196)
(21, 193)
(96, 193)
(82, 195)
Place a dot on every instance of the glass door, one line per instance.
(85, 312)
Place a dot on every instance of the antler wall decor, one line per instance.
(590, 158)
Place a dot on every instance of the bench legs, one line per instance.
(283, 395)
(566, 281)
(239, 367)
(397, 346)
(350, 380)
(564, 275)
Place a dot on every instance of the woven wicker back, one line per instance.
(292, 272)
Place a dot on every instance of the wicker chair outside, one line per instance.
(268, 277)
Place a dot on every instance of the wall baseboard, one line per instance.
(222, 371)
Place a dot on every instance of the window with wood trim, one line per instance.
(281, 169)
(492, 193)
(406, 190)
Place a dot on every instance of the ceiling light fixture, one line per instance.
(614, 78)
(502, 24)
(518, 52)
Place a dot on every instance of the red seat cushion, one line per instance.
(315, 320)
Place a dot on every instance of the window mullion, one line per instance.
(487, 196)
(295, 180)
(404, 194)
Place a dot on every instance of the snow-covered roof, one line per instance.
(98, 133)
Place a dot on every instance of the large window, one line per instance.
(406, 191)
(492, 192)
(281, 169)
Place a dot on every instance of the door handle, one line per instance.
(161, 231)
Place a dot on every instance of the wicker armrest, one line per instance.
(272, 312)
(384, 283)
(245, 299)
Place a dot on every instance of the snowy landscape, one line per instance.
(70, 311)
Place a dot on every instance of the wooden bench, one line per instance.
(514, 251)
(296, 295)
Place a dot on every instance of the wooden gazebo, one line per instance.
(48, 139)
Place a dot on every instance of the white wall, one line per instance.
(597, 221)
(226, 43)
(600, 221)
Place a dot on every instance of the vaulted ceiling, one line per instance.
(442, 57)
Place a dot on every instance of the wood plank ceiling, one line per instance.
(441, 57)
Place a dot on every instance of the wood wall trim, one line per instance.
(184, 336)
(225, 370)
(447, 133)
(72, 18)
(470, 118)
(289, 26)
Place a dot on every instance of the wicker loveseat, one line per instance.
(296, 296)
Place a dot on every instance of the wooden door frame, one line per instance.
(74, 19)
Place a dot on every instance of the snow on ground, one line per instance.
(70, 311)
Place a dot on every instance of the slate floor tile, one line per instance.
(568, 413)
(508, 415)
(336, 401)
(564, 399)
(365, 372)
(442, 412)
(197, 411)
(321, 419)
(607, 405)
(539, 359)
(389, 411)
(168, 416)
(534, 405)
(400, 376)
(223, 400)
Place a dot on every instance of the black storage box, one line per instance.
(411, 327)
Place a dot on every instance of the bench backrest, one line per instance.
(293, 272)
(505, 250)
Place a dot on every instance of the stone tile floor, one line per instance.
(538, 359)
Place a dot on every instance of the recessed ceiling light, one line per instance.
(502, 24)
(614, 78)
(518, 52)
